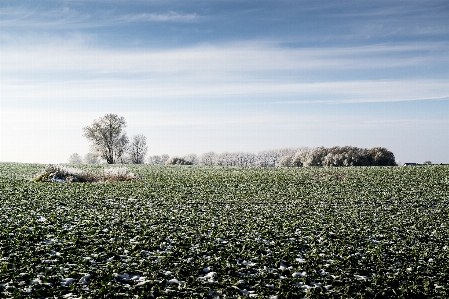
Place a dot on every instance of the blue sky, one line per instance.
(198, 76)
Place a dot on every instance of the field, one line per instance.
(199, 232)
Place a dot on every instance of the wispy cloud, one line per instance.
(249, 56)
(322, 92)
(63, 17)
(75, 70)
(171, 16)
(50, 18)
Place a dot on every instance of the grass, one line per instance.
(374, 232)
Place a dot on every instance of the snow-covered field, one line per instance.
(204, 232)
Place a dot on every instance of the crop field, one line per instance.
(208, 232)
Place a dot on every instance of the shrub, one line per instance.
(177, 161)
(58, 173)
(114, 174)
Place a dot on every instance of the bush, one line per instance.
(177, 161)
(62, 174)
(118, 174)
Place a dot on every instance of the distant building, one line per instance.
(418, 164)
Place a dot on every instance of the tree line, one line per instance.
(110, 144)
(287, 157)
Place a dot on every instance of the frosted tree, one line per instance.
(164, 158)
(300, 156)
(245, 159)
(382, 157)
(154, 160)
(91, 158)
(158, 160)
(223, 159)
(207, 159)
(267, 158)
(192, 159)
(286, 161)
(107, 137)
(137, 149)
(315, 157)
(75, 159)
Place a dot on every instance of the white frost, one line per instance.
(248, 263)
(360, 277)
(299, 274)
(175, 281)
(67, 281)
(84, 279)
(209, 276)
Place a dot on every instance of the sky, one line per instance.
(200, 76)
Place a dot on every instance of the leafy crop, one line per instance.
(373, 232)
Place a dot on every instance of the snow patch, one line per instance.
(300, 274)
(67, 281)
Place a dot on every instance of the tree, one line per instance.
(75, 159)
(107, 137)
(315, 156)
(91, 158)
(164, 158)
(154, 160)
(207, 159)
(138, 149)
(192, 158)
(286, 161)
(382, 157)
(158, 160)
(121, 154)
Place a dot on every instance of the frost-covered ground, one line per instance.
(227, 232)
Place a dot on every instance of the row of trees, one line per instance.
(288, 157)
(110, 144)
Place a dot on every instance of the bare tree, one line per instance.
(107, 137)
(91, 158)
(158, 160)
(154, 160)
(315, 156)
(138, 149)
(75, 159)
(192, 158)
(207, 159)
(286, 161)
(121, 154)
(164, 158)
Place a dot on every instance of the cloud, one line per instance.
(171, 16)
(73, 70)
(321, 92)
(243, 57)
(56, 18)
